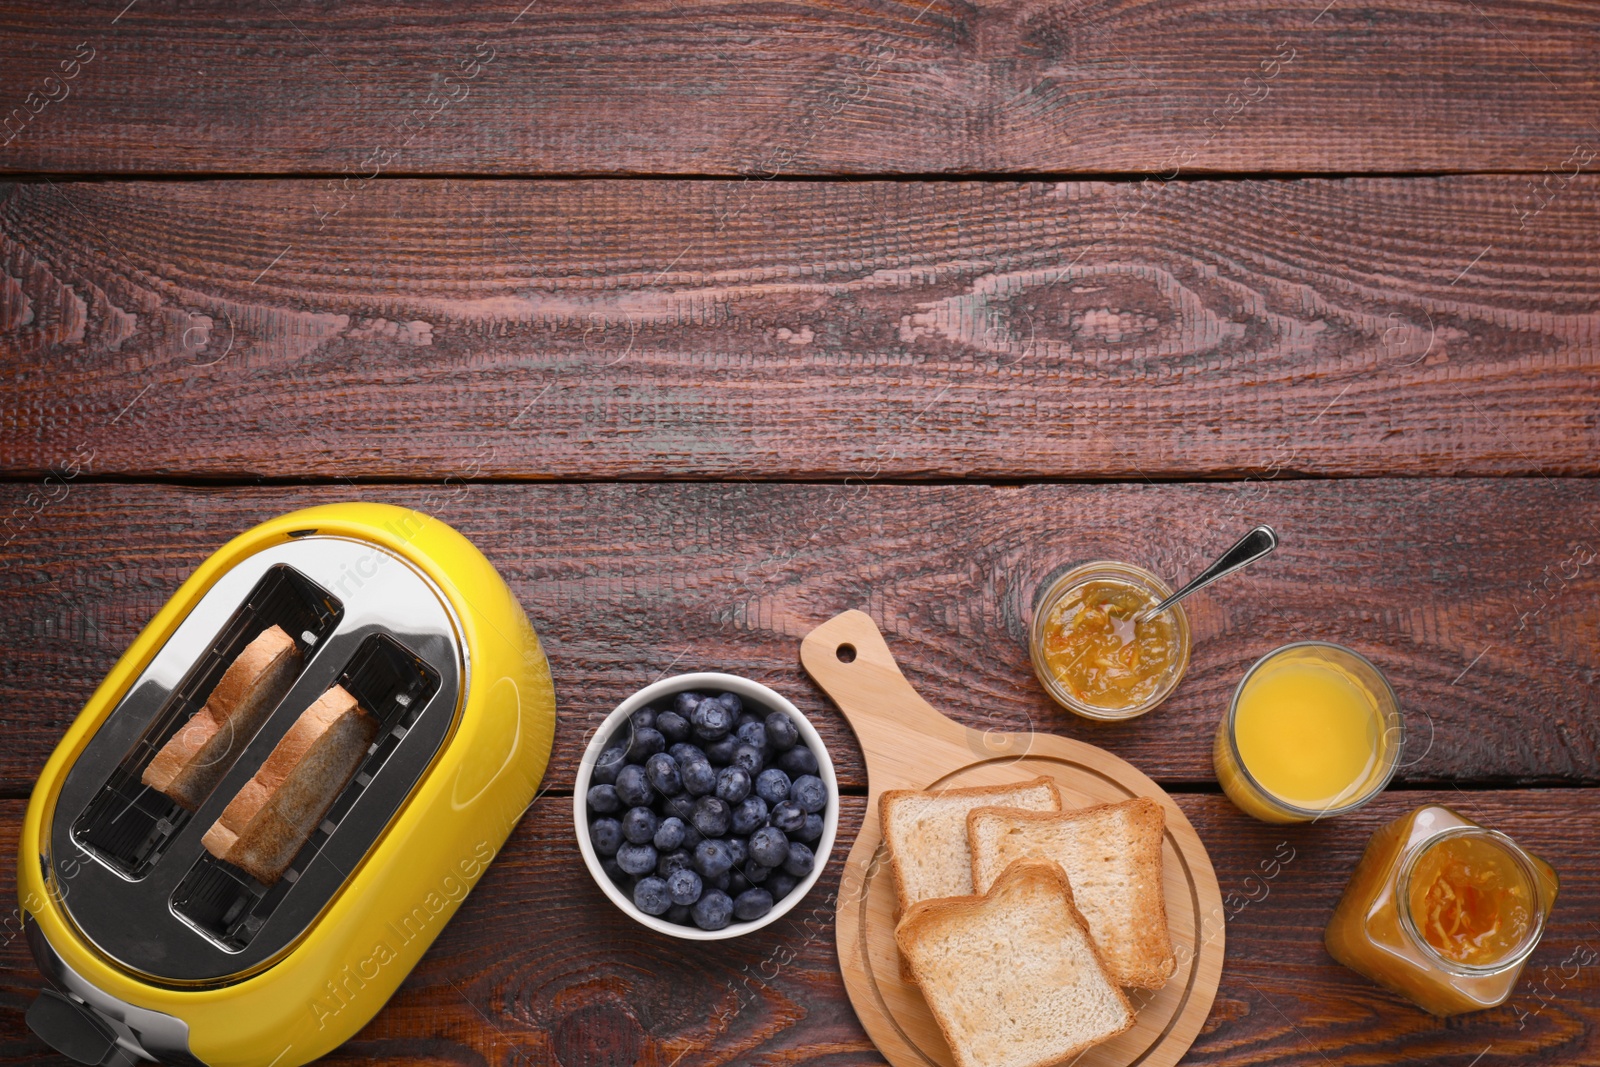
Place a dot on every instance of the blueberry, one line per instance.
(769, 846)
(720, 753)
(752, 904)
(737, 883)
(684, 703)
(651, 897)
(739, 849)
(712, 858)
(633, 788)
(798, 760)
(809, 793)
(615, 873)
(733, 784)
(755, 873)
(699, 777)
(788, 817)
(669, 835)
(671, 862)
(684, 752)
(678, 807)
(647, 741)
(781, 885)
(606, 835)
(610, 762)
(674, 727)
(680, 914)
(684, 886)
(603, 799)
(746, 717)
(781, 731)
(661, 771)
(712, 815)
(637, 859)
(749, 816)
(639, 825)
(753, 734)
(691, 836)
(748, 758)
(800, 860)
(713, 911)
(732, 702)
(811, 832)
(712, 720)
(719, 881)
(772, 785)
(643, 717)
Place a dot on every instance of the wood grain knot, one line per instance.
(597, 1035)
(1105, 312)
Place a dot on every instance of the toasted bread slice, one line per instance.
(926, 833)
(1012, 977)
(194, 759)
(275, 813)
(1111, 854)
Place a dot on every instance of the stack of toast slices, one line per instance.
(275, 813)
(1022, 923)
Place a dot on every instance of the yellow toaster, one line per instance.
(154, 948)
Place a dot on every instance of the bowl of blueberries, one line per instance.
(706, 806)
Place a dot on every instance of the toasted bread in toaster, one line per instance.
(194, 759)
(1112, 855)
(275, 813)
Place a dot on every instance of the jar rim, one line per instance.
(1314, 814)
(1518, 855)
(1046, 597)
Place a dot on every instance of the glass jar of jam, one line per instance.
(1088, 653)
(1442, 911)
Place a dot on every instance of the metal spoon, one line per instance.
(1249, 548)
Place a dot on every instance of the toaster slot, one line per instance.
(127, 824)
(222, 902)
(228, 906)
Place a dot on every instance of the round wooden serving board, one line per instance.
(909, 745)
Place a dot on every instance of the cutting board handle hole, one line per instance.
(846, 653)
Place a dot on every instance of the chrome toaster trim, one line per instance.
(141, 1034)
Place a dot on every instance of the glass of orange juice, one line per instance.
(1314, 730)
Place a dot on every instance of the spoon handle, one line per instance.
(1249, 548)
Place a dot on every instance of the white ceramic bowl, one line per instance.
(751, 693)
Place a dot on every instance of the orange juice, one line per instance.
(1313, 731)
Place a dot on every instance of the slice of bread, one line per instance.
(194, 759)
(1111, 854)
(275, 813)
(926, 833)
(1012, 977)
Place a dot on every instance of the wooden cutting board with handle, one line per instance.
(909, 745)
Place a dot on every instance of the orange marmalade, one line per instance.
(1085, 651)
(1442, 911)
(1470, 900)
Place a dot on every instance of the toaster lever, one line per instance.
(76, 1031)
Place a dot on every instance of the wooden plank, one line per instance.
(812, 330)
(1481, 599)
(538, 967)
(719, 87)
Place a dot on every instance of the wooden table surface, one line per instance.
(707, 320)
